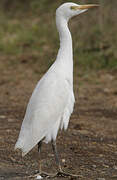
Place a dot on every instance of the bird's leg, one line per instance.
(54, 147)
(39, 166)
(39, 150)
(40, 172)
(60, 171)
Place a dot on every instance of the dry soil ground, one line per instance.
(87, 148)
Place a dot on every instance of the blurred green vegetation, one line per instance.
(28, 31)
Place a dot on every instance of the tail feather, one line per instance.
(18, 146)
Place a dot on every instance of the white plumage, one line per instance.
(52, 101)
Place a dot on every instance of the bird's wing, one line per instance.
(68, 110)
(46, 105)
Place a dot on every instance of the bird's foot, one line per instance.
(43, 174)
(61, 173)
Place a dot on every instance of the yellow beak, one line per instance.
(82, 7)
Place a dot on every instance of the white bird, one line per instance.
(52, 101)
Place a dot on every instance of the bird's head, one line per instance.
(69, 10)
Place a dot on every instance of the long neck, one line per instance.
(65, 51)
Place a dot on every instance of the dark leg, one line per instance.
(39, 146)
(60, 171)
(39, 150)
(56, 155)
(40, 172)
(39, 166)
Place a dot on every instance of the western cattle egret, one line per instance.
(52, 101)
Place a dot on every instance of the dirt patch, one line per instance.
(87, 148)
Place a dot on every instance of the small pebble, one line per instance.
(2, 116)
(39, 177)
(10, 120)
(115, 167)
(63, 160)
(106, 166)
